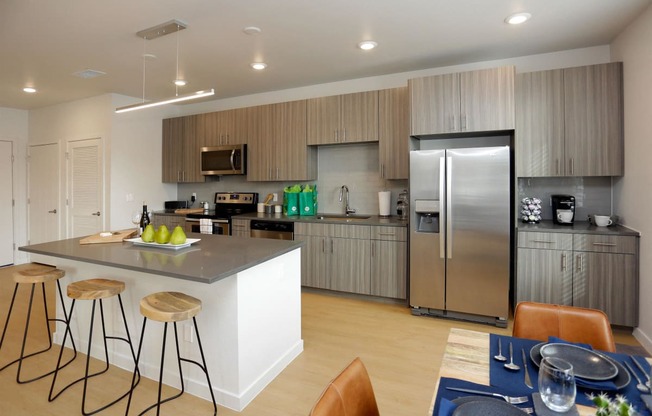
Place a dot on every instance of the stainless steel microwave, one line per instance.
(224, 160)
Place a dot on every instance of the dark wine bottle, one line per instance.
(144, 218)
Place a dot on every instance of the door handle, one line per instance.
(54, 211)
(97, 214)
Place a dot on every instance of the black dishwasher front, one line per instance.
(278, 230)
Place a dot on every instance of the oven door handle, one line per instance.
(192, 219)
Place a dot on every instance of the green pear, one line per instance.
(178, 236)
(162, 235)
(148, 234)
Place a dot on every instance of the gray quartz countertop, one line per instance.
(579, 227)
(392, 221)
(212, 258)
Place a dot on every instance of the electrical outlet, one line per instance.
(274, 197)
(188, 333)
(193, 198)
(129, 197)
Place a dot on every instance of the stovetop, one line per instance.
(228, 204)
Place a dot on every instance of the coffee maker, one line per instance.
(563, 209)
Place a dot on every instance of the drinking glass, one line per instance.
(557, 384)
(135, 218)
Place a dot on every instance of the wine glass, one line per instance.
(135, 219)
(557, 384)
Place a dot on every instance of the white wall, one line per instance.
(14, 128)
(632, 194)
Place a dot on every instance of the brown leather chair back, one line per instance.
(541, 320)
(349, 394)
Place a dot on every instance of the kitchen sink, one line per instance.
(342, 217)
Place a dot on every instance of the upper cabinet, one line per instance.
(474, 101)
(569, 122)
(393, 133)
(223, 127)
(278, 149)
(345, 118)
(181, 150)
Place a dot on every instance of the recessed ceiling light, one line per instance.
(29, 90)
(180, 82)
(518, 18)
(251, 30)
(258, 66)
(367, 45)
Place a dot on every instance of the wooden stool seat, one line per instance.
(92, 289)
(38, 274)
(169, 306)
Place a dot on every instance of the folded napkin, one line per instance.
(446, 407)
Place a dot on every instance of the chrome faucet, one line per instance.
(347, 208)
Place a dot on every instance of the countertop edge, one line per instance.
(373, 220)
(579, 227)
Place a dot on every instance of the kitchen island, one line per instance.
(250, 321)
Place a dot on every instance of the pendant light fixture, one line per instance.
(152, 33)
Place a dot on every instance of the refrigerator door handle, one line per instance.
(449, 211)
(442, 215)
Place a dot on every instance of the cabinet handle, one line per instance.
(382, 170)
(572, 167)
(605, 244)
(578, 260)
(97, 214)
(390, 234)
(557, 166)
(453, 121)
(463, 122)
(373, 249)
(54, 211)
(344, 135)
(323, 245)
(542, 241)
(331, 246)
(178, 176)
(337, 135)
(563, 262)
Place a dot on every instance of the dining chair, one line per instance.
(348, 394)
(574, 324)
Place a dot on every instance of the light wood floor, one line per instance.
(402, 354)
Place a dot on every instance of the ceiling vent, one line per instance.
(89, 73)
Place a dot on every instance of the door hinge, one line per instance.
(66, 201)
(13, 202)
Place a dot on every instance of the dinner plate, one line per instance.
(485, 406)
(139, 242)
(621, 381)
(587, 364)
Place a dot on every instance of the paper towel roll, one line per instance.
(384, 199)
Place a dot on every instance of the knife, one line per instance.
(640, 367)
(484, 393)
(528, 382)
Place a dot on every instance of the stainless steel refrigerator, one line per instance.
(460, 234)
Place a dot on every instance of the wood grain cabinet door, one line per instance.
(608, 282)
(389, 268)
(487, 99)
(393, 133)
(434, 104)
(323, 120)
(349, 265)
(593, 102)
(359, 117)
(172, 148)
(540, 124)
(545, 276)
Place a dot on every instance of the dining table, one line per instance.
(466, 363)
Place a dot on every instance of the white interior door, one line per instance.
(85, 180)
(43, 193)
(6, 203)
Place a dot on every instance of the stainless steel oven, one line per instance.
(220, 226)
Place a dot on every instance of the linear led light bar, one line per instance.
(178, 98)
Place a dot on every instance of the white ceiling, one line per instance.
(304, 42)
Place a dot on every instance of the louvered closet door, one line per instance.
(6, 206)
(85, 188)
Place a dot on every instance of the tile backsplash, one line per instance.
(592, 194)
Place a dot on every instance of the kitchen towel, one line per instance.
(205, 226)
(384, 198)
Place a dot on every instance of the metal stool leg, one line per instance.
(22, 356)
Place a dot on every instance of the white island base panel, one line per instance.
(250, 325)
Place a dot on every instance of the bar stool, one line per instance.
(171, 307)
(33, 275)
(96, 290)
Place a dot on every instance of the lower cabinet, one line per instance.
(240, 227)
(587, 270)
(169, 220)
(362, 259)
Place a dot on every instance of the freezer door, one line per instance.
(427, 263)
(478, 231)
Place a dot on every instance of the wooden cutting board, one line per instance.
(115, 237)
(189, 211)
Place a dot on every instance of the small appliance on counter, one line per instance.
(563, 209)
(402, 205)
(171, 206)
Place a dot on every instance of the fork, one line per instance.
(508, 399)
